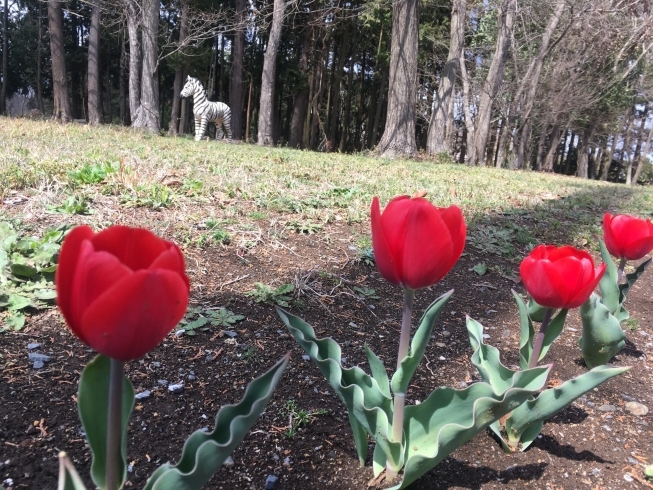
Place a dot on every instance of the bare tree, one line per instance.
(398, 138)
(178, 84)
(436, 140)
(94, 99)
(236, 84)
(269, 74)
(148, 113)
(133, 13)
(506, 17)
(5, 58)
(62, 110)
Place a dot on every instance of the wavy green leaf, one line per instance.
(68, 477)
(602, 336)
(204, 453)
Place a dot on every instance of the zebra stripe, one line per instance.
(206, 111)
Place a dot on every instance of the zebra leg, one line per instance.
(198, 131)
(227, 126)
(218, 131)
(202, 130)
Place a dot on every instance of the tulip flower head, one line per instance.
(122, 290)
(415, 243)
(627, 237)
(561, 277)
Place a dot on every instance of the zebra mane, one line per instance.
(201, 85)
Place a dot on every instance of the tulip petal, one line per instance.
(611, 242)
(383, 255)
(542, 282)
(428, 248)
(173, 260)
(137, 248)
(66, 266)
(583, 294)
(133, 316)
(453, 218)
(639, 248)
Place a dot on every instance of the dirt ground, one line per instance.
(595, 443)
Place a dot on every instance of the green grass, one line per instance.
(313, 187)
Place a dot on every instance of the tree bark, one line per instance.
(625, 151)
(398, 138)
(436, 141)
(94, 99)
(607, 158)
(135, 60)
(236, 83)
(178, 84)
(62, 110)
(265, 135)
(583, 148)
(492, 84)
(5, 59)
(148, 115)
(554, 142)
(335, 89)
(468, 134)
(39, 54)
(300, 101)
(643, 155)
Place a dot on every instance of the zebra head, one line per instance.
(192, 86)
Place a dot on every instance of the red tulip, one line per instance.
(122, 290)
(627, 237)
(560, 277)
(416, 243)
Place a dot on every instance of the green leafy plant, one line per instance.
(299, 417)
(262, 293)
(27, 266)
(307, 227)
(366, 293)
(92, 174)
(72, 205)
(198, 318)
(217, 233)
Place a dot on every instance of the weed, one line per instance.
(92, 174)
(252, 355)
(262, 293)
(216, 232)
(631, 324)
(307, 227)
(27, 266)
(198, 318)
(298, 417)
(258, 215)
(480, 268)
(72, 205)
(366, 293)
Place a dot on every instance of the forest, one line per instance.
(558, 86)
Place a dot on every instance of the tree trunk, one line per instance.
(492, 84)
(5, 59)
(607, 158)
(178, 84)
(346, 117)
(643, 159)
(625, 151)
(236, 83)
(134, 59)
(269, 75)
(335, 88)
(300, 101)
(436, 141)
(148, 116)
(554, 142)
(398, 138)
(379, 109)
(583, 148)
(122, 86)
(94, 99)
(39, 54)
(62, 110)
(637, 157)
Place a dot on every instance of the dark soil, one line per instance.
(584, 446)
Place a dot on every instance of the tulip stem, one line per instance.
(114, 426)
(620, 271)
(400, 398)
(539, 339)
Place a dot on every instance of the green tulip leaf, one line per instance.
(535, 310)
(525, 423)
(528, 331)
(18, 302)
(609, 284)
(449, 418)
(602, 336)
(378, 371)
(368, 405)
(45, 294)
(204, 453)
(68, 477)
(93, 406)
(401, 377)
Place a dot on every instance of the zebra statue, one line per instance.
(206, 111)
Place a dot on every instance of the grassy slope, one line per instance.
(40, 154)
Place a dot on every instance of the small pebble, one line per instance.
(442, 358)
(486, 335)
(628, 398)
(156, 364)
(180, 332)
(143, 395)
(163, 382)
(229, 461)
(607, 408)
(607, 427)
(306, 357)
(191, 377)
(271, 482)
(176, 388)
(229, 333)
(636, 408)
(33, 346)
(38, 364)
(33, 356)
(446, 333)
(595, 472)
(628, 478)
